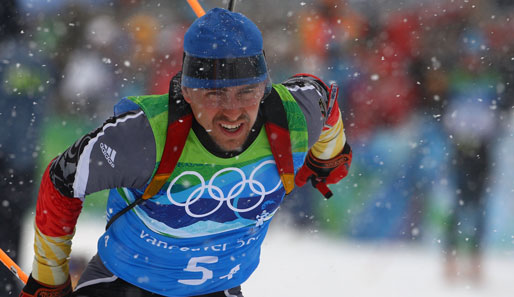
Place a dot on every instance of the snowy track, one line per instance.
(301, 264)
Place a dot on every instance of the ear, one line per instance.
(186, 93)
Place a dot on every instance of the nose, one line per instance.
(231, 107)
(231, 114)
(230, 102)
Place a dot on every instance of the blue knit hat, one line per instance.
(223, 49)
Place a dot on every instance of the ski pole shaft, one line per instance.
(197, 8)
(231, 5)
(13, 267)
(322, 188)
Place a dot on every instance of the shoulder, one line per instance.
(153, 108)
(306, 83)
(152, 105)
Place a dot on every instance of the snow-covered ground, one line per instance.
(301, 265)
(305, 264)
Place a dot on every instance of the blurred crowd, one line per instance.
(426, 89)
(428, 98)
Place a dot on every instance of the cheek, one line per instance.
(204, 116)
(252, 112)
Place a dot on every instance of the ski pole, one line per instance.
(324, 190)
(197, 8)
(322, 187)
(231, 5)
(13, 267)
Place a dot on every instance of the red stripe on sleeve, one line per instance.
(333, 117)
(56, 214)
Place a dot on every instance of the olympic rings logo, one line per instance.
(216, 192)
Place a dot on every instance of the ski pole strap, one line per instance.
(121, 212)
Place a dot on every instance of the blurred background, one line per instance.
(427, 97)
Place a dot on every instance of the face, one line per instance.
(227, 114)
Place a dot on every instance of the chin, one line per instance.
(231, 145)
(232, 148)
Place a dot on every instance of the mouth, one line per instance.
(231, 128)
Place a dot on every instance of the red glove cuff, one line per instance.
(33, 288)
(328, 171)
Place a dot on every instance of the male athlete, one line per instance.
(195, 175)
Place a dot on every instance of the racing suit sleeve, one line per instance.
(120, 153)
(330, 156)
(324, 122)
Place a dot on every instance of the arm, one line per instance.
(329, 156)
(121, 153)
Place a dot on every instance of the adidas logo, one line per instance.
(109, 154)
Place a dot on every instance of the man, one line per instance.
(195, 177)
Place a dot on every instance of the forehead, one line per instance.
(231, 89)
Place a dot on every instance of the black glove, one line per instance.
(323, 172)
(33, 288)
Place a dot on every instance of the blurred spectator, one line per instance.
(168, 56)
(25, 82)
(326, 30)
(384, 93)
(88, 83)
(471, 121)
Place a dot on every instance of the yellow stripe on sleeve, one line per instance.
(50, 264)
(331, 142)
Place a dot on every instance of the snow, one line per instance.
(296, 263)
(300, 263)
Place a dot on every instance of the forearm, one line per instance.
(329, 158)
(80, 170)
(331, 141)
(56, 217)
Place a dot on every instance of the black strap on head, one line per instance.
(224, 68)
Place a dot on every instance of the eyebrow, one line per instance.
(252, 86)
(217, 89)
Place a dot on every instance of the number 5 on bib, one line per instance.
(206, 273)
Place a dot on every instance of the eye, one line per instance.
(247, 92)
(214, 97)
(213, 94)
(210, 93)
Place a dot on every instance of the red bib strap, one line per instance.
(277, 130)
(176, 137)
(280, 142)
